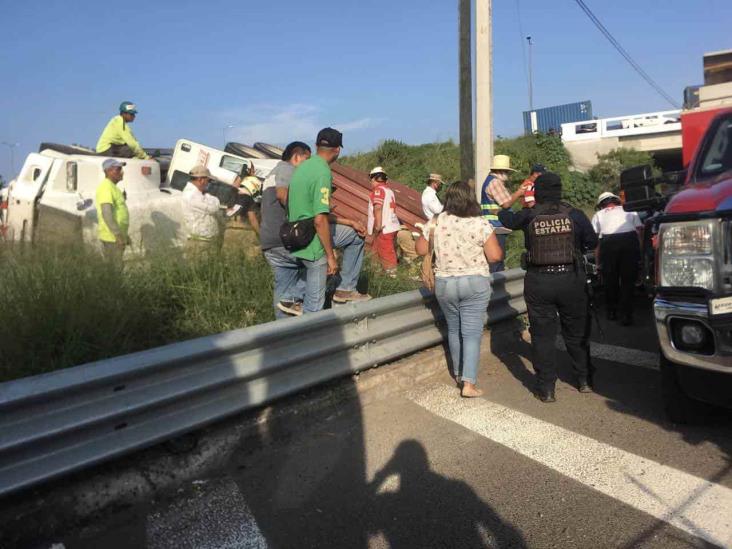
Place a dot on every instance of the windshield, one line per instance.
(717, 156)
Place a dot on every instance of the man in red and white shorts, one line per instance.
(383, 222)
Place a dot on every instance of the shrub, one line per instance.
(606, 173)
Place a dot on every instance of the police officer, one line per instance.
(555, 234)
(618, 255)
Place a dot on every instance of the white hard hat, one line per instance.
(377, 170)
(604, 196)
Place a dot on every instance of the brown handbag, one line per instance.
(428, 263)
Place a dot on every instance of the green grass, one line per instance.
(66, 306)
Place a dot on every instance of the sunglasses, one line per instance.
(380, 177)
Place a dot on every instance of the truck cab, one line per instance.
(52, 199)
(692, 248)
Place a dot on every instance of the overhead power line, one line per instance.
(626, 55)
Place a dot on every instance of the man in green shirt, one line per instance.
(309, 198)
(112, 214)
(117, 138)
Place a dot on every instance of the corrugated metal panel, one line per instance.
(351, 190)
(552, 118)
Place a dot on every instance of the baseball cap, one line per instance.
(329, 137)
(200, 171)
(538, 168)
(127, 107)
(112, 163)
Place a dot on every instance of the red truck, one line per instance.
(689, 242)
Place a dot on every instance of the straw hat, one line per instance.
(501, 162)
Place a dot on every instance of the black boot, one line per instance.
(545, 394)
(584, 386)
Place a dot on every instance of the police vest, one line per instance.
(551, 236)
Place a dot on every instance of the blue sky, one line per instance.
(280, 70)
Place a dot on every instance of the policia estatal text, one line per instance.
(556, 236)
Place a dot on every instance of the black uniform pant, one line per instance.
(550, 295)
(619, 259)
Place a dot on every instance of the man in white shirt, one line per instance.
(431, 205)
(202, 215)
(618, 255)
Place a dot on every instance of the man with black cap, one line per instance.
(117, 139)
(556, 235)
(309, 198)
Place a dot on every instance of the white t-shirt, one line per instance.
(615, 220)
(383, 197)
(431, 205)
(459, 244)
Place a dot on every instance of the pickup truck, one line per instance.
(689, 241)
(52, 199)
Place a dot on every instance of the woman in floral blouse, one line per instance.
(464, 245)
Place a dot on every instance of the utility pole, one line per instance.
(483, 92)
(465, 81)
(531, 78)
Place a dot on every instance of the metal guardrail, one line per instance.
(56, 423)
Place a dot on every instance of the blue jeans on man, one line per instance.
(464, 302)
(297, 279)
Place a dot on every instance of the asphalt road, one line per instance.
(421, 467)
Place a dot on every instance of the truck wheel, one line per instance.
(679, 407)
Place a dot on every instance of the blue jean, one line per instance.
(464, 302)
(289, 277)
(297, 279)
(346, 239)
(499, 266)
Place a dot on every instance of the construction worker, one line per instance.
(494, 196)
(117, 139)
(113, 216)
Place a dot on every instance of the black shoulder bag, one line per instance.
(296, 235)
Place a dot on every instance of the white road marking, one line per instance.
(692, 504)
(615, 353)
(214, 517)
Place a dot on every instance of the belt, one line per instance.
(553, 269)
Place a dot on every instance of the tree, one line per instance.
(606, 173)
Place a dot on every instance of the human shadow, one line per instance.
(413, 506)
(303, 472)
(507, 343)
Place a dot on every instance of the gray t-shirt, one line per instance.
(273, 213)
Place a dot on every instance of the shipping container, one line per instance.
(550, 119)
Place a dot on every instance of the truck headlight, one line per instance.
(687, 254)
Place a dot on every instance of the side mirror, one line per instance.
(71, 176)
(637, 189)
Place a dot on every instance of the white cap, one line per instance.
(605, 196)
(377, 169)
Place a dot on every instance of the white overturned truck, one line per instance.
(52, 199)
